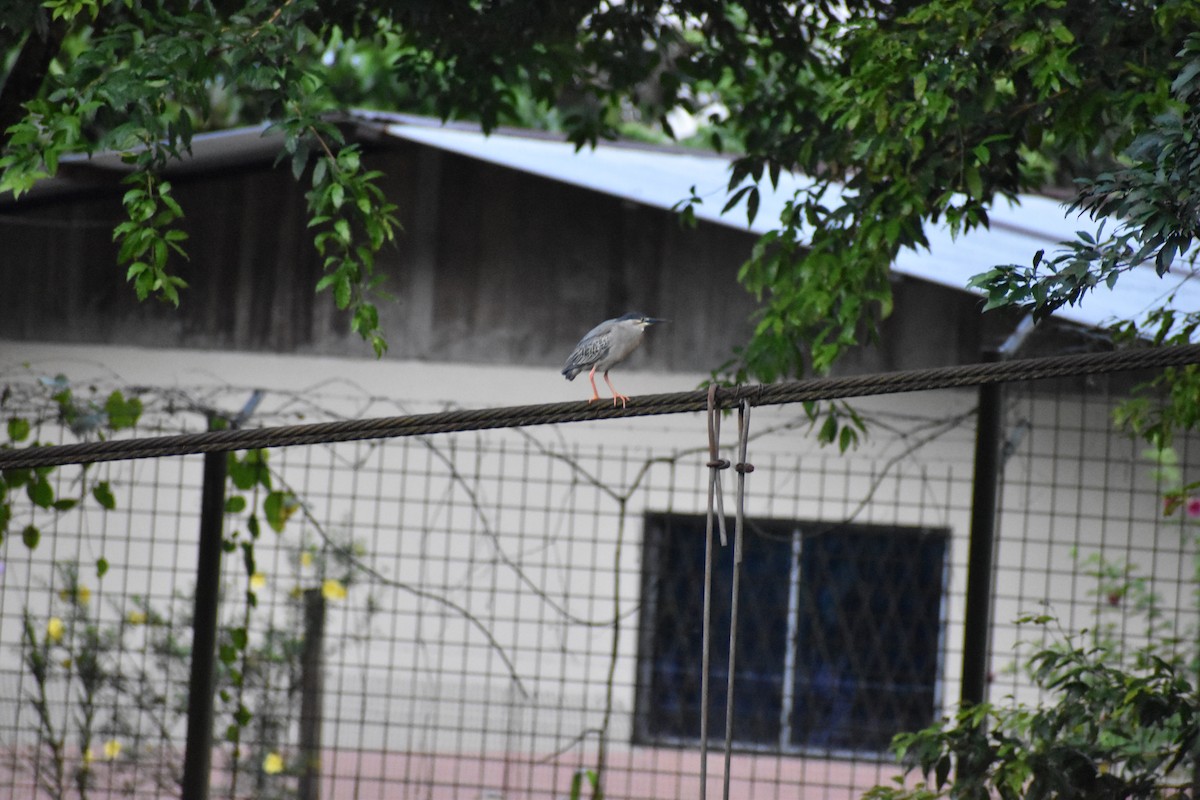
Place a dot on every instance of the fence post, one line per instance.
(312, 692)
(981, 551)
(981, 548)
(197, 759)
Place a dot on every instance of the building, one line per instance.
(527, 590)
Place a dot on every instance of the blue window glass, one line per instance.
(839, 634)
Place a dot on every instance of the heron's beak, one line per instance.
(648, 321)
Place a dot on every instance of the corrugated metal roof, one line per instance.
(662, 178)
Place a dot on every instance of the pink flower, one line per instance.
(1193, 507)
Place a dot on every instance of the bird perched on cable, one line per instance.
(605, 346)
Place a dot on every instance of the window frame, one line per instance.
(652, 541)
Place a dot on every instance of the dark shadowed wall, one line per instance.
(493, 265)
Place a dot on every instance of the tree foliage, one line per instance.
(936, 114)
(1114, 720)
(907, 112)
(1152, 198)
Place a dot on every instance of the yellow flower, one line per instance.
(306, 559)
(54, 629)
(66, 663)
(80, 595)
(258, 581)
(89, 756)
(112, 749)
(333, 589)
(273, 764)
(136, 617)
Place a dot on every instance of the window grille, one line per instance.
(838, 641)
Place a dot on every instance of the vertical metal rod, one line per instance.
(981, 549)
(197, 758)
(706, 654)
(738, 544)
(312, 693)
(715, 465)
(792, 644)
(733, 630)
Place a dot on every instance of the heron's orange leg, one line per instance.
(592, 377)
(624, 398)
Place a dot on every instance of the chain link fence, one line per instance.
(517, 613)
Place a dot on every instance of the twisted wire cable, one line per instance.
(813, 389)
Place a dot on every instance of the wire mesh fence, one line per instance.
(516, 613)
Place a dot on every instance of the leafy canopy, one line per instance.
(920, 111)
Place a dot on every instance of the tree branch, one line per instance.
(28, 73)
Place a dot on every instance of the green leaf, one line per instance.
(40, 492)
(974, 182)
(734, 198)
(752, 201)
(102, 492)
(101, 567)
(17, 477)
(248, 558)
(31, 536)
(244, 472)
(847, 438)
(942, 771)
(239, 637)
(577, 780)
(299, 160)
(18, 429)
(342, 290)
(278, 507)
(122, 413)
(327, 281)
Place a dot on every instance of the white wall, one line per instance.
(518, 531)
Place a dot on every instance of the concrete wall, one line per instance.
(535, 534)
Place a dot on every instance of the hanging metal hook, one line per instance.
(715, 465)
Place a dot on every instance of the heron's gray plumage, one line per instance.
(607, 344)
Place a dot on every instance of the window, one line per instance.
(838, 637)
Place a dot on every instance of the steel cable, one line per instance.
(646, 405)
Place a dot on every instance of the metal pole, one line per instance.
(312, 692)
(981, 549)
(732, 664)
(739, 543)
(706, 655)
(197, 759)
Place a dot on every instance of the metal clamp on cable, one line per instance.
(715, 465)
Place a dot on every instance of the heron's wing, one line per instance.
(591, 348)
